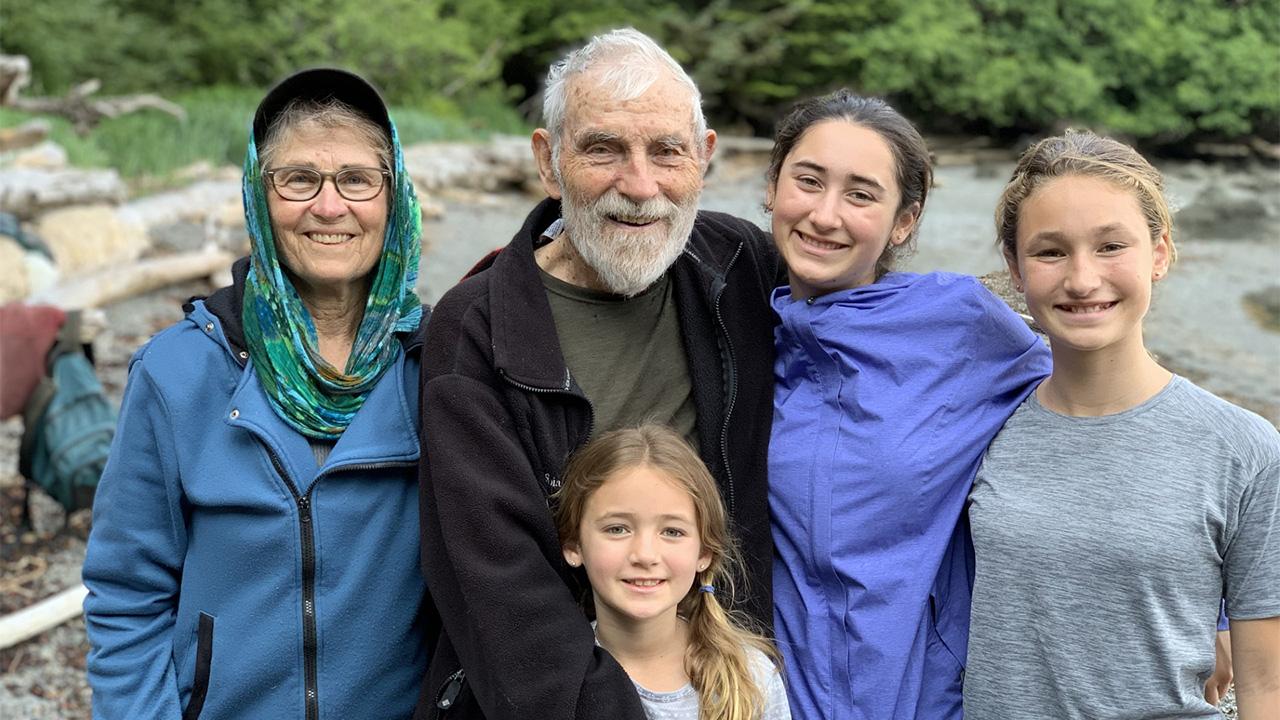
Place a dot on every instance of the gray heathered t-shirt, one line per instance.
(682, 704)
(1103, 547)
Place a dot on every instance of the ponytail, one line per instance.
(719, 659)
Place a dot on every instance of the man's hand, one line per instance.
(1220, 681)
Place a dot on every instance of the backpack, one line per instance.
(68, 425)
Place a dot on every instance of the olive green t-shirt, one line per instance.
(626, 354)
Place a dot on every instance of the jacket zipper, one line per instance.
(308, 589)
(591, 409)
(732, 366)
(448, 694)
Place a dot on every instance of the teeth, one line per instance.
(821, 243)
(1087, 309)
(329, 239)
(644, 583)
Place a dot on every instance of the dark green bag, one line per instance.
(69, 423)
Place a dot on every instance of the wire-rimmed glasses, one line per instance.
(299, 184)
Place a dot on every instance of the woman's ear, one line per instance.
(770, 192)
(1015, 273)
(572, 553)
(1162, 256)
(905, 223)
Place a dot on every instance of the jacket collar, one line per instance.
(520, 309)
(227, 305)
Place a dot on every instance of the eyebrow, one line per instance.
(308, 165)
(1103, 231)
(674, 141)
(855, 177)
(591, 137)
(631, 516)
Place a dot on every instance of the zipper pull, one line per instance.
(452, 688)
(304, 508)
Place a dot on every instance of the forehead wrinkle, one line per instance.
(583, 93)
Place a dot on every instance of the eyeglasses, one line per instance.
(299, 183)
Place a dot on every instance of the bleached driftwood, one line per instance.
(15, 74)
(76, 105)
(27, 192)
(23, 136)
(44, 615)
(85, 112)
(116, 283)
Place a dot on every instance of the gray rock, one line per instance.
(1226, 210)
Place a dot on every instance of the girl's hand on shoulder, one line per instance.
(1220, 681)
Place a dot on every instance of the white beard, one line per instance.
(628, 262)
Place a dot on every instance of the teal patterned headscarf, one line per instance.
(315, 398)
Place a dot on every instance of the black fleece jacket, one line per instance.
(501, 415)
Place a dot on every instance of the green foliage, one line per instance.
(150, 144)
(1157, 70)
(82, 151)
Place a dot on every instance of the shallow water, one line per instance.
(1229, 247)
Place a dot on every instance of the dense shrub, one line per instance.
(1156, 70)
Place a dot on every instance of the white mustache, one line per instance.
(653, 209)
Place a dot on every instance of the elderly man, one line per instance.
(617, 302)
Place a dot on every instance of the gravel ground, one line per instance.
(43, 678)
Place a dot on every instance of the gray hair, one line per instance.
(302, 114)
(629, 62)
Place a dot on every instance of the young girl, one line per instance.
(889, 387)
(1120, 501)
(641, 513)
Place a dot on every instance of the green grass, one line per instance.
(148, 146)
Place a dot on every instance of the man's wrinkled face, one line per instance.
(629, 174)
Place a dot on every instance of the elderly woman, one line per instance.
(255, 537)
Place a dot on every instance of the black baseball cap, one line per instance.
(321, 84)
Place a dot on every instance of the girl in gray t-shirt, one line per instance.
(641, 514)
(1120, 502)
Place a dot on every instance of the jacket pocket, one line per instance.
(204, 659)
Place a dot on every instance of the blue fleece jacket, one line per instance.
(228, 575)
(886, 397)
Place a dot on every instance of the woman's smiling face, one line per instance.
(327, 242)
(1087, 261)
(835, 208)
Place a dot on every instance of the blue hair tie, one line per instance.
(708, 589)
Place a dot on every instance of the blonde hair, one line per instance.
(1082, 153)
(717, 660)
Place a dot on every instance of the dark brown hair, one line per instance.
(913, 167)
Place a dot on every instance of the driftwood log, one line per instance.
(77, 106)
(44, 615)
(24, 136)
(117, 283)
